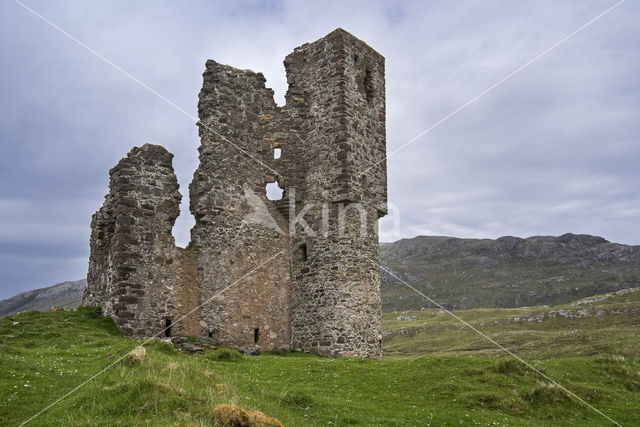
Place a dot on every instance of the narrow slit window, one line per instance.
(256, 335)
(277, 152)
(167, 327)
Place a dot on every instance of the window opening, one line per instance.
(256, 335)
(301, 252)
(167, 327)
(277, 152)
(273, 190)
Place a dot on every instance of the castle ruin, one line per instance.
(296, 273)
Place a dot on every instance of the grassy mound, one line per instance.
(224, 354)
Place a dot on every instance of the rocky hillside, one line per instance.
(461, 273)
(507, 272)
(65, 294)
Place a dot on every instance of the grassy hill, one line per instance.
(602, 325)
(45, 355)
(506, 272)
(65, 294)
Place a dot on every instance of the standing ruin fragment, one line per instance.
(296, 273)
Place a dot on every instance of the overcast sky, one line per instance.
(554, 149)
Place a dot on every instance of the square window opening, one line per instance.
(167, 328)
(301, 252)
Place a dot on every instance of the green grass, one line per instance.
(46, 355)
(607, 327)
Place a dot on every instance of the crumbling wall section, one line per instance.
(100, 290)
(243, 257)
(187, 293)
(133, 255)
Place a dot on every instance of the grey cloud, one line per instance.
(553, 150)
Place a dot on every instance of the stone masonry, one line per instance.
(296, 273)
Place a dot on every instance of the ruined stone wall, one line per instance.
(132, 263)
(237, 229)
(185, 311)
(100, 289)
(253, 275)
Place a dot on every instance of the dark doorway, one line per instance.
(301, 252)
(256, 335)
(167, 327)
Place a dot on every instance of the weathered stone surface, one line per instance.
(250, 351)
(300, 272)
(191, 348)
(125, 277)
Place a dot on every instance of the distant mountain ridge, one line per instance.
(460, 273)
(65, 294)
(505, 272)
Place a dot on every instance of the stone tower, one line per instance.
(300, 272)
(336, 107)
